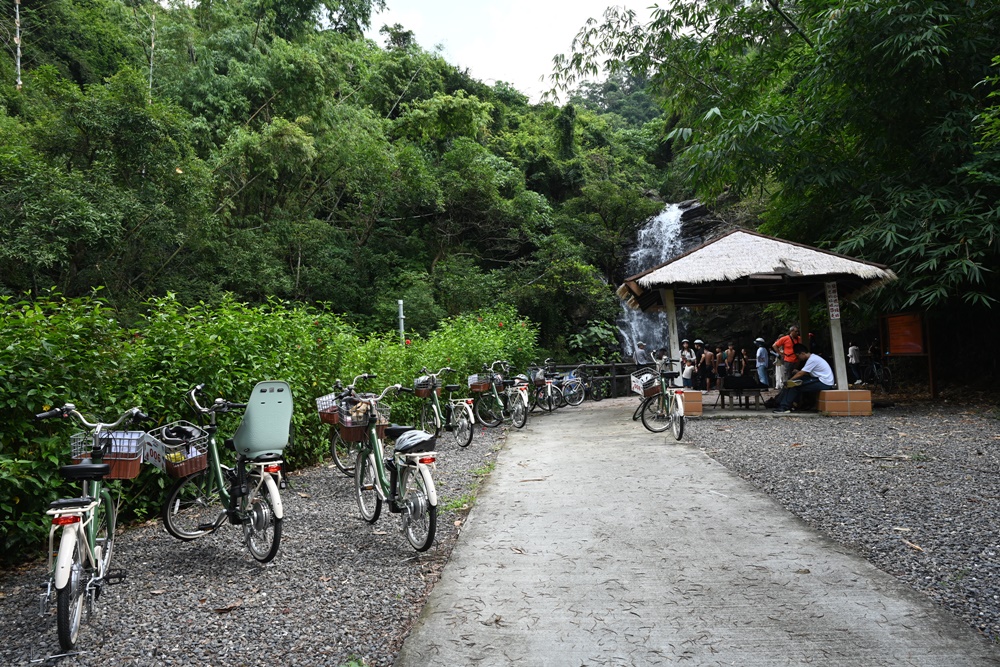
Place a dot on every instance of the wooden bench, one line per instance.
(740, 389)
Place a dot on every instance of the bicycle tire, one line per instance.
(518, 411)
(427, 421)
(461, 426)
(597, 391)
(193, 504)
(261, 529)
(545, 401)
(365, 492)
(342, 452)
(655, 416)
(105, 522)
(676, 419)
(419, 517)
(489, 410)
(638, 410)
(69, 603)
(886, 380)
(574, 392)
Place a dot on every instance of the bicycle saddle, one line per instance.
(415, 441)
(451, 387)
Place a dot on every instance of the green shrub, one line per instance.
(72, 350)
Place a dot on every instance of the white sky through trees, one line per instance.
(499, 40)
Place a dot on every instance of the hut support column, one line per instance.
(836, 337)
(673, 336)
(804, 324)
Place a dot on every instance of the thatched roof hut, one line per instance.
(747, 267)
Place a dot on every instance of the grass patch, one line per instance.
(463, 502)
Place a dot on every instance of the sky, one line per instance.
(499, 40)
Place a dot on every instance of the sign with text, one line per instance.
(832, 301)
(906, 333)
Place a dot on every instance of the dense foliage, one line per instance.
(268, 150)
(60, 350)
(870, 127)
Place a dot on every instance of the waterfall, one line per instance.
(658, 241)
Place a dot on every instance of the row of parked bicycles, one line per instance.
(391, 466)
(206, 494)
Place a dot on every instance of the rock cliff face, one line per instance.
(699, 224)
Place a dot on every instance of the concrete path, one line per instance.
(595, 542)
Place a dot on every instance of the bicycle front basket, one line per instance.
(179, 449)
(329, 413)
(479, 383)
(646, 382)
(123, 454)
(423, 386)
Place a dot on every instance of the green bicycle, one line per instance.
(456, 416)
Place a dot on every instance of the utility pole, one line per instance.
(402, 318)
(17, 38)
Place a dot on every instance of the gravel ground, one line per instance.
(914, 489)
(340, 590)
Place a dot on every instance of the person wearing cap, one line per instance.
(687, 354)
(641, 356)
(761, 361)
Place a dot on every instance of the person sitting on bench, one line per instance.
(815, 376)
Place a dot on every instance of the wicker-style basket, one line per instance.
(124, 451)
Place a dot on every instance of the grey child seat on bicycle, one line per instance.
(267, 421)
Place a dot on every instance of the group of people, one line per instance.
(797, 370)
(701, 367)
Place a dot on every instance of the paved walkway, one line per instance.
(595, 542)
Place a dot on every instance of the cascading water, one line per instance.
(658, 241)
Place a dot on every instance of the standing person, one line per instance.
(816, 376)
(686, 352)
(706, 367)
(699, 352)
(743, 361)
(641, 356)
(854, 362)
(785, 347)
(761, 361)
(721, 366)
(687, 375)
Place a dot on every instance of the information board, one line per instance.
(906, 333)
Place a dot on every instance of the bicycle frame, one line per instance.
(421, 461)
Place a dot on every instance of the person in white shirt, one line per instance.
(761, 361)
(854, 362)
(815, 375)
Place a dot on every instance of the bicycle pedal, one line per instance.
(113, 577)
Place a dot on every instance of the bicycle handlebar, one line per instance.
(69, 410)
(220, 404)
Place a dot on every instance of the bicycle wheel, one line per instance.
(105, 520)
(427, 418)
(676, 419)
(419, 517)
(489, 410)
(638, 410)
(654, 414)
(69, 602)
(518, 411)
(461, 426)
(365, 481)
(574, 392)
(261, 529)
(868, 375)
(597, 391)
(193, 507)
(342, 452)
(545, 399)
